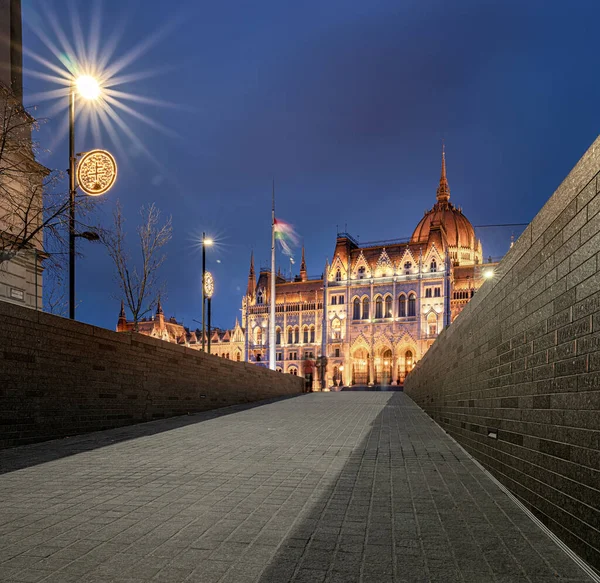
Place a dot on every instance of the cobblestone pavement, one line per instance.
(331, 487)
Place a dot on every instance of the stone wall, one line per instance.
(516, 378)
(59, 378)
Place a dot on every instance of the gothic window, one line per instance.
(379, 308)
(408, 360)
(312, 334)
(338, 275)
(356, 309)
(428, 292)
(361, 272)
(296, 335)
(437, 292)
(334, 300)
(258, 335)
(290, 336)
(278, 336)
(365, 309)
(341, 300)
(402, 306)
(431, 324)
(293, 370)
(388, 307)
(305, 335)
(433, 266)
(411, 305)
(407, 267)
(259, 297)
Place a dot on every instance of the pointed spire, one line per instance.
(159, 310)
(251, 278)
(443, 191)
(122, 312)
(303, 267)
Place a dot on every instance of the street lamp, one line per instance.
(205, 242)
(88, 88)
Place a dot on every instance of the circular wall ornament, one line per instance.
(209, 284)
(96, 172)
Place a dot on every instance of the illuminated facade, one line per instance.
(385, 303)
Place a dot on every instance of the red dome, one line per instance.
(459, 231)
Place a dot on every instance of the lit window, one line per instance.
(402, 306)
(278, 336)
(378, 308)
(433, 266)
(388, 307)
(365, 309)
(338, 275)
(356, 309)
(412, 305)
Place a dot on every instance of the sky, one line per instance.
(344, 104)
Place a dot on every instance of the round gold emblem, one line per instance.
(96, 172)
(209, 284)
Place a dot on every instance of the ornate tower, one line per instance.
(251, 278)
(303, 276)
(122, 323)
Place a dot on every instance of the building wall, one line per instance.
(516, 378)
(59, 377)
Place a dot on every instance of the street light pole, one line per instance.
(72, 201)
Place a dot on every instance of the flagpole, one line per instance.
(272, 302)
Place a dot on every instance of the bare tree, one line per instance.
(139, 282)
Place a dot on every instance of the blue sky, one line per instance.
(344, 103)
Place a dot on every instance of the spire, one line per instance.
(303, 267)
(159, 310)
(443, 191)
(251, 277)
(122, 312)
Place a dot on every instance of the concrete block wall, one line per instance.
(516, 378)
(59, 377)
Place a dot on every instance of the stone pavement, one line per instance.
(326, 487)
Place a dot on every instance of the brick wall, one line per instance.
(59, 378)
(522, 363)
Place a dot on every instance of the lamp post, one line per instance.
(205, 242)
(88, 88)
(208, 288)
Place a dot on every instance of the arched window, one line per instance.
(296, 335)
(293, 370)
(238, 356)
(431, 324)
(412, 305)
(365, 309)
(361, 272)
(428, 292)
(259, 297)
(305, 335)
(408, 361)
(433, 266)
(437, 292)
(379, 308)
(312, 334)
(388, 307)
(402, 306)
(277, 335)
(258, 335)
(338, 275)
(356, 309)
(290, 336)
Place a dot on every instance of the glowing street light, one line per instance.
(88, 87)
(488, 273)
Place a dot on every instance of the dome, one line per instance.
(458, 229)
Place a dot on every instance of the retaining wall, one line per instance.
(59, 377)
(516, 378)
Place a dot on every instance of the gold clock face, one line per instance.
(96, 172)
(209, 284)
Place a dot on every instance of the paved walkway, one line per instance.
(331, 487)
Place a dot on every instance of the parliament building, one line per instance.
(373, 313)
